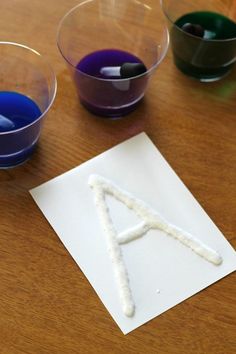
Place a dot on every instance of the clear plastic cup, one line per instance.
(203, 36)
(23, 71)
(109, 33)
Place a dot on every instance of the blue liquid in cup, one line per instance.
(16, 112)
(108, 96)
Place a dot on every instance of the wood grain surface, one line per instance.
(46, 304)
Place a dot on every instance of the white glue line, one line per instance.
(151, 220)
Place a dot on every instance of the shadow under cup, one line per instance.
(26, 81)
(203, 37)
(109, 33)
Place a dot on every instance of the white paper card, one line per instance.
(162, 272)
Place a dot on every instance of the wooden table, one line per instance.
(44, 297)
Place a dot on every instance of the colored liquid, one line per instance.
(108, 95)
(17, 111)
(208, 58)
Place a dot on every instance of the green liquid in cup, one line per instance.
(208, 58)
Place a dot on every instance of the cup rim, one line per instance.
(54, 79)
(152, 68)
(191, 35)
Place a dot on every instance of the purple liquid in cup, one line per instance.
(108, 95)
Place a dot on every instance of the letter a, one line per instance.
(150, 220)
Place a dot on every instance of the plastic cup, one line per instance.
(25, 72)
(208, 52)
(112, 29)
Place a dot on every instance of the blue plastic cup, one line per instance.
(24, 76)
